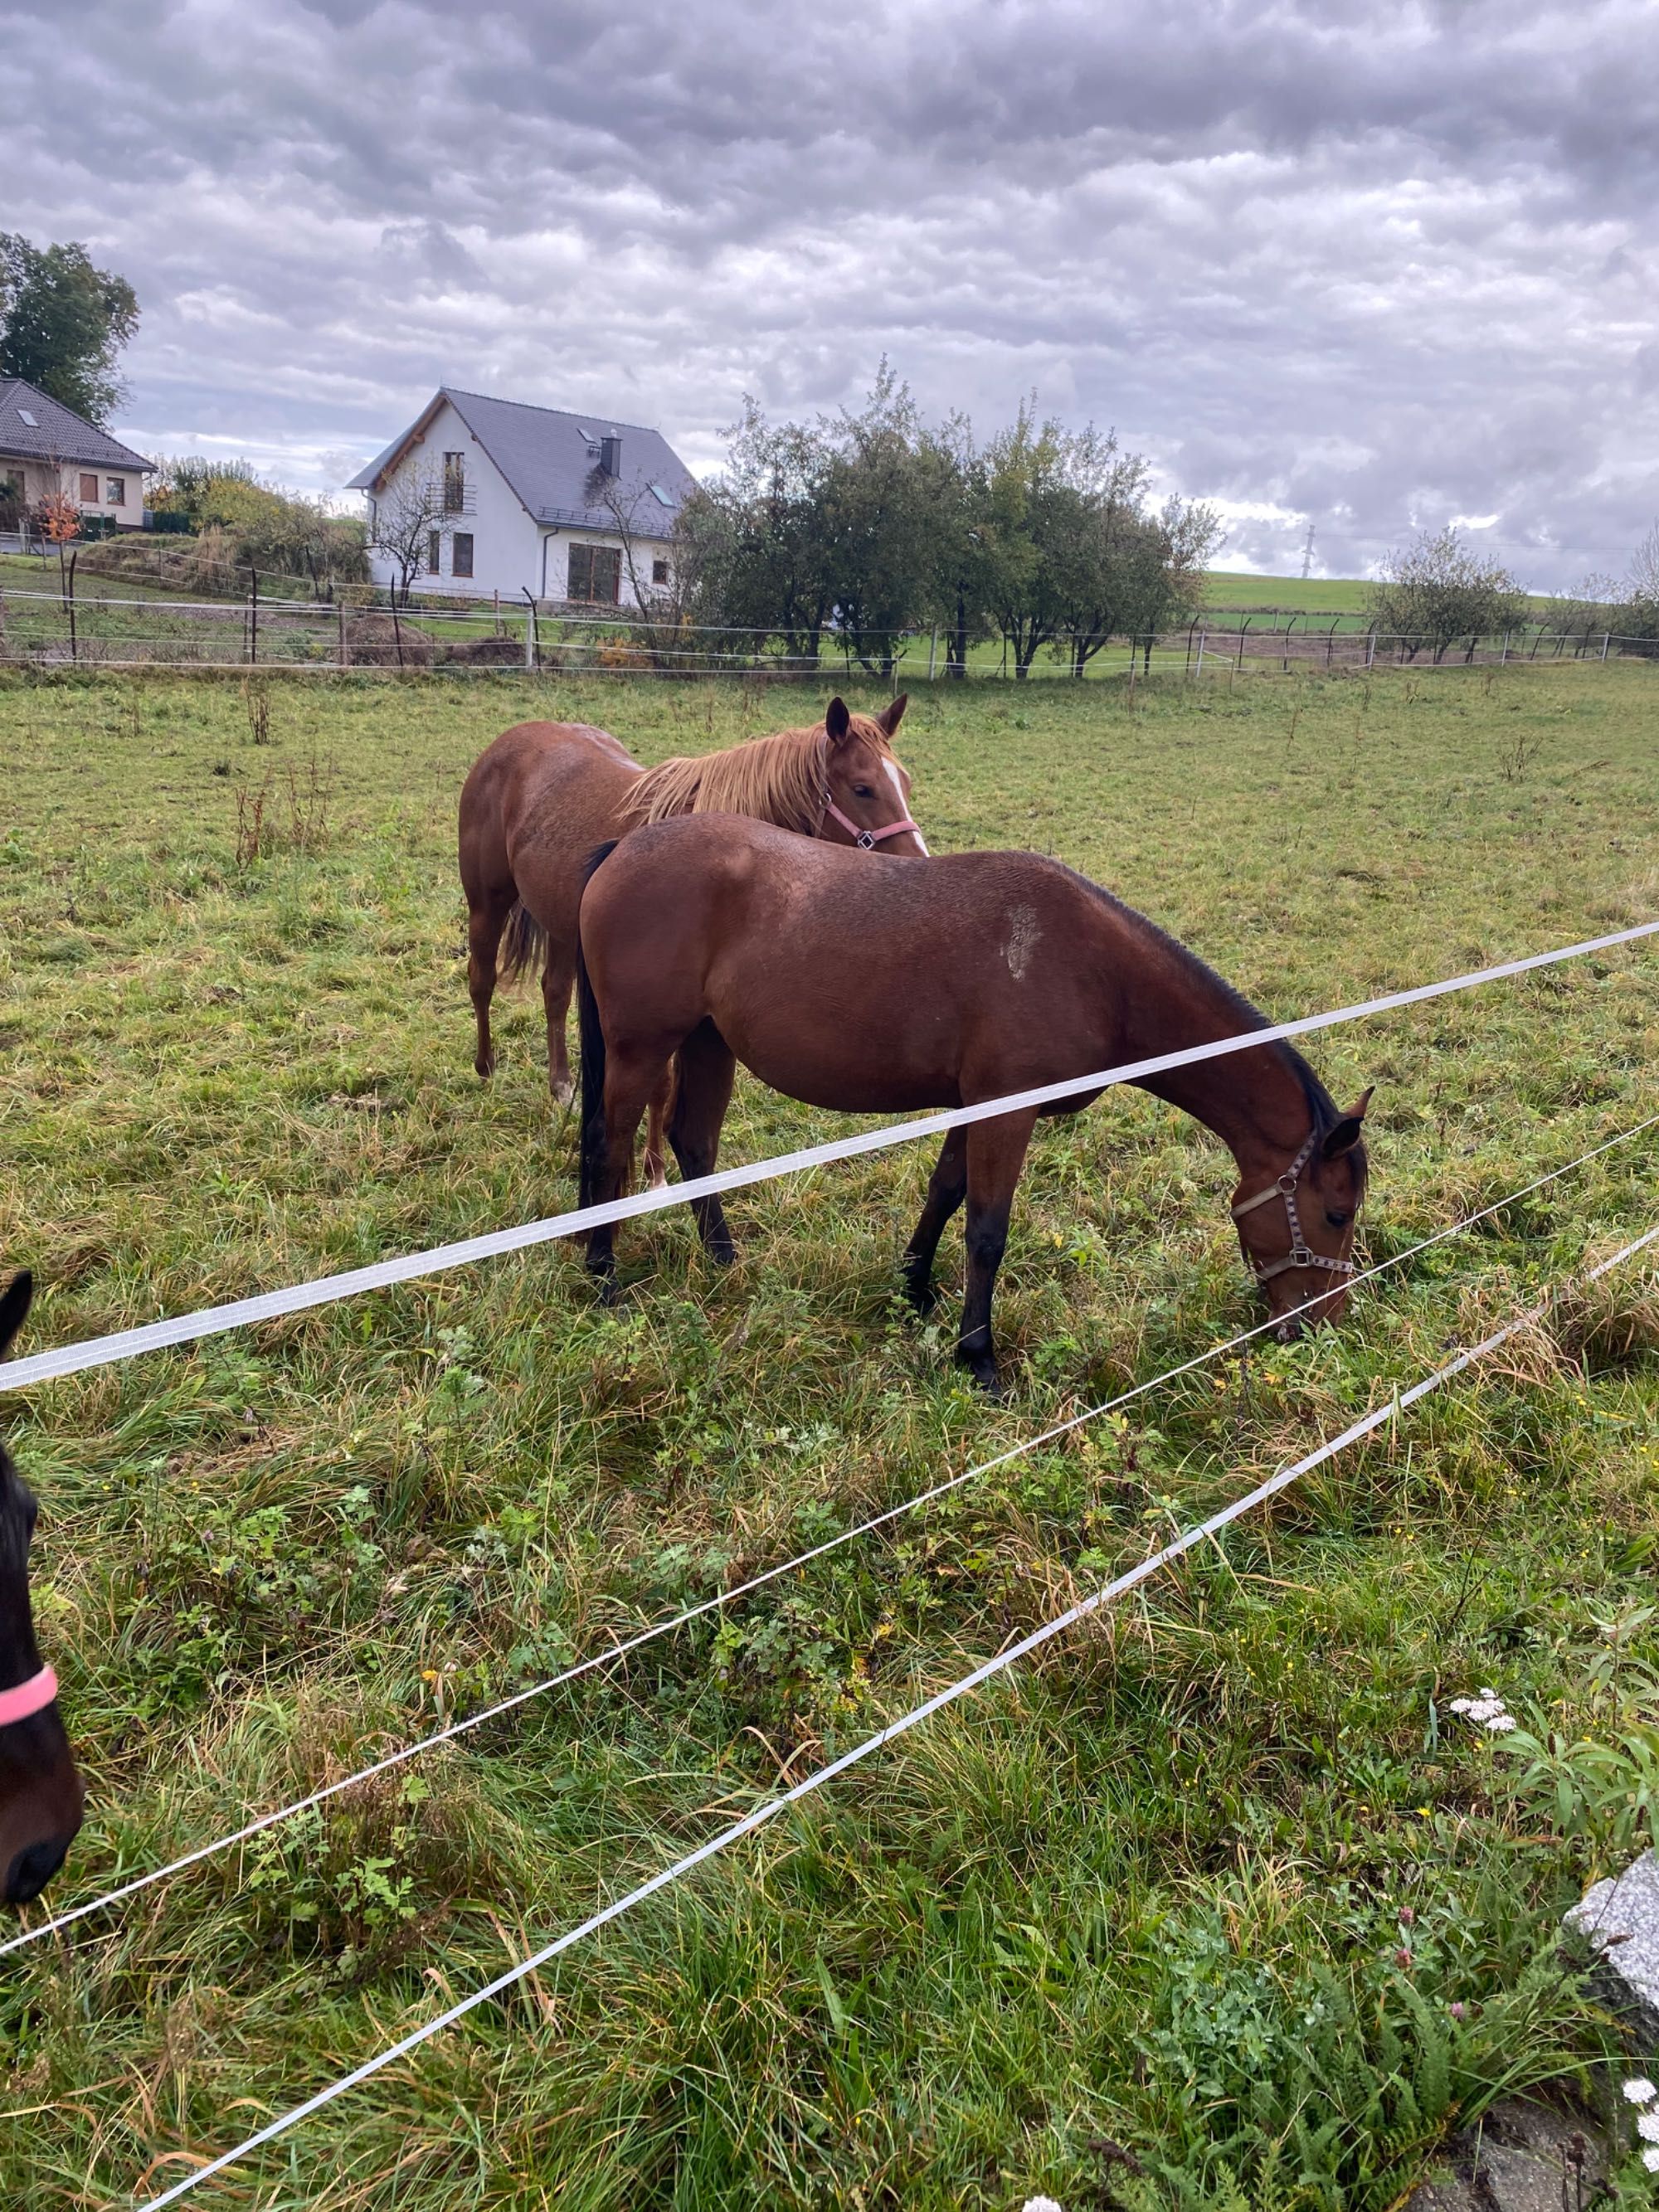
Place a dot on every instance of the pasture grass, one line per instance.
(1219, 1890)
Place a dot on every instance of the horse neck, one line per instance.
(1253, 1100)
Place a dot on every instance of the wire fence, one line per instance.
(90, 623)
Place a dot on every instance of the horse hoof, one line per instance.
(563, 1088)
(656, 1174)
(605, 1287)
(484, 1065)
(921, 1296)
(723, 1255)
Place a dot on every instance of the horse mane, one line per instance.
(779, 779)
(1322, 1106)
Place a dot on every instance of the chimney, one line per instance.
(611, 454)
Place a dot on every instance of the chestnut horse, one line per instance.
(40, 1792)
(941, 983)
(544, 795)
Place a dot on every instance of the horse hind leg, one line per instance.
(558, 977)
(485, 922)
(947, 1187)
(704, 1069)
(608, 1152)
(996, 1153)
(656, 1149)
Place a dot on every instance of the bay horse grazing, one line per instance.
(40, 1792)
(544, 795)
(942, 983)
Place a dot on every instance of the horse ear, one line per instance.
(14, 1305)
(837, 721)
(890, 717)
(1348, 1131)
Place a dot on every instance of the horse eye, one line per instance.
(862, 791)
(1338, 1220)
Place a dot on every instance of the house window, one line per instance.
(115, 491)
(659, 572)
(88, 489)
(595, 573)
(434, 546)
(460, 553)
(454, 483)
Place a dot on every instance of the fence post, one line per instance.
(345, 642)
(1199, 668)
(1606, 642)
(933, 652)
(252, 615)
(1239, 663)
(1503, 651)
(1370, 644)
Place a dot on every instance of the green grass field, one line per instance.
(1223, 1881)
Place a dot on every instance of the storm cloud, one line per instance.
(1369, 266)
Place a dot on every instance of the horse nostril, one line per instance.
(33, 1867)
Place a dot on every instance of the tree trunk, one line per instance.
(957, 665)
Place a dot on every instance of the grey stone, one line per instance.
(1620, 1920)
(1521, 2157)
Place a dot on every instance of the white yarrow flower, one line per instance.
(1488, 1711)
(1641, 2091)
(1040, 2204)
(1650, 2158)
(1648, 2127)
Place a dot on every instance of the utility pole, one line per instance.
(1307, 554)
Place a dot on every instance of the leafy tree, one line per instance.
(1034, 513)
(1437, 590)
(964, 547)
(881, 525)
(63, 323)
(1130, 572)
(762, 531)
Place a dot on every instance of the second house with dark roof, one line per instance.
(48, 452)
(481, 496)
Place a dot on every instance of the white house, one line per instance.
(46, 448)
(492, 495)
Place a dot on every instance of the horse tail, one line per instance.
(590, 1033)
(523, 945)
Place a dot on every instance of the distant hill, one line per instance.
(1313, 595)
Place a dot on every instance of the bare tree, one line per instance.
(408, 516)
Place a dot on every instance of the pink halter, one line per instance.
(27, 1698)
(867, 839)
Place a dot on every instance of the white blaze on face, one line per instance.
(898, 783)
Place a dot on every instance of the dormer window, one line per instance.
(454, 483)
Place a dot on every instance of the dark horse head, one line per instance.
(40, 1792)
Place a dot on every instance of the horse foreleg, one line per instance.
(996, 1153)
(558, 979)
(703, 1072)
(484, 925)
(946, 1189)
(656, 1150)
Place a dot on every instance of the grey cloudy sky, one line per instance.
(1374, 265)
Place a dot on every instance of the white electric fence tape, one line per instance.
(624, 1647)
(274, 1305)
(1011, 1656)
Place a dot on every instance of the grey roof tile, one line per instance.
(58, 433)
(543, 454)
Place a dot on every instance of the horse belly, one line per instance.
(807, 1044)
